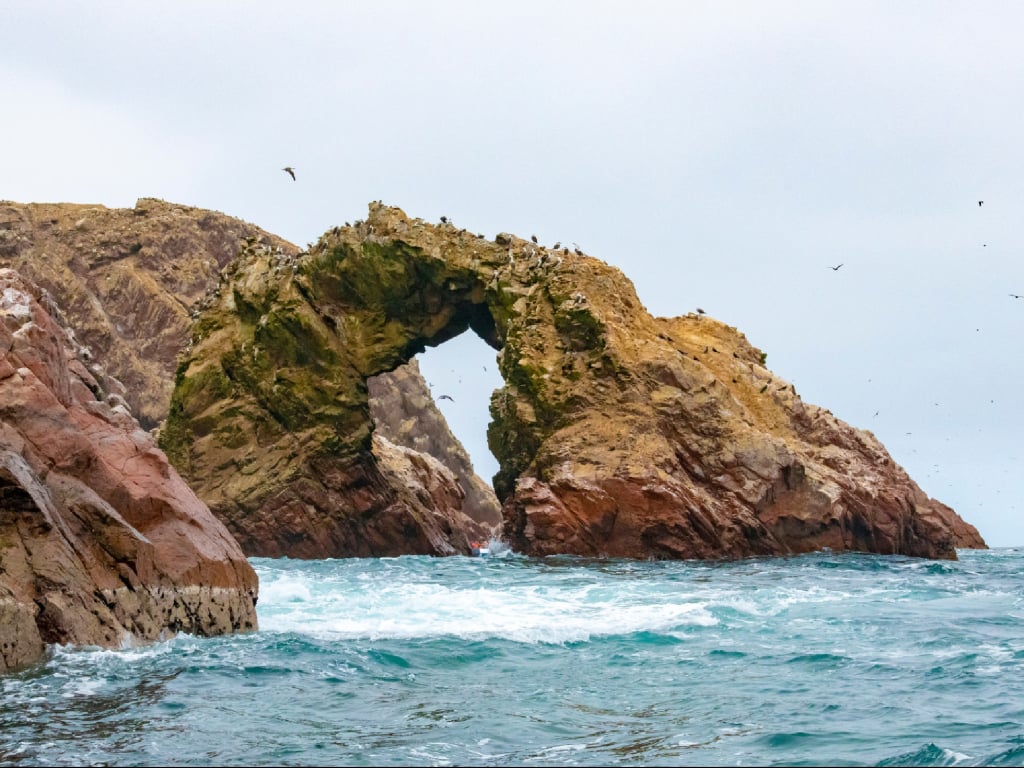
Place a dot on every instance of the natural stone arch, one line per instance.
(271, 419)
(616, 433)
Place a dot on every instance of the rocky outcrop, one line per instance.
(617, 433)
(101, 542)
(128, 279)
(131, 281)
(403, 411)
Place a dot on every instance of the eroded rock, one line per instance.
(403, 411)
(131, 281)
(617, 433)
(101, 541)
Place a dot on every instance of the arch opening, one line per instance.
(465, 371)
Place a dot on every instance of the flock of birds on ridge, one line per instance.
(444, 220)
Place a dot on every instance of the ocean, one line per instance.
(820, 659)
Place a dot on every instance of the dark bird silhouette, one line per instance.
(763, 389)
(290, 171)
(534, 238)
(444, 219)
(836, 267)
(558, 245)
(1017, 295)
(980, 202)
(700, 311)
(445, 397)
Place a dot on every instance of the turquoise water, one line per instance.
(818, 659)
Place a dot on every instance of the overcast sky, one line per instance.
(724, 155)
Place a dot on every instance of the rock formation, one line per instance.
(128, 280)
(403, 411)
(617, 433)
(101, 542)
(131, 281)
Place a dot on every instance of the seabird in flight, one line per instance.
(290, 171)
(836, 267)
(1017, 295)
(445, 397)
(980, 202)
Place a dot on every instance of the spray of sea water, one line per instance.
(814, 660)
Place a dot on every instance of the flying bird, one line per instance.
(446, 397)
(836, 267)
(290, 171)
(980, 202)
(1017, 295)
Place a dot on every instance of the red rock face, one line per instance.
(707, 454)
(101, 542)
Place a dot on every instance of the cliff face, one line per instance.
(127, 280)
(131, 281)
(617, 433)
(101, 542)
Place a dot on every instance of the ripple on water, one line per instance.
(409, 661)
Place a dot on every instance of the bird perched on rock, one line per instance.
(534, 238)
(290, 171)
(700, 311)
(444, 219)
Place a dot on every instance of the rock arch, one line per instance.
(270, 419)
(616, 433)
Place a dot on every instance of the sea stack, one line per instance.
(613, 438)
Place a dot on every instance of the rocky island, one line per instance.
(617, 433)
(283, 386)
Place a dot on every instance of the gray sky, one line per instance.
(722, 154)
